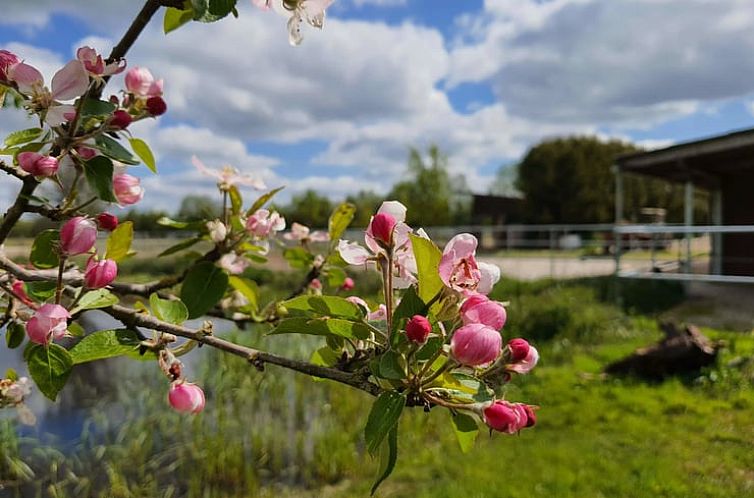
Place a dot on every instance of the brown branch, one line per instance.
(20, 174)
(120, 50)
(131, 318)
(18, 207)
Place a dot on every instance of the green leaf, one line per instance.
(335, 276)
(44, 250)
(236, 201)
(324, 357)
(339, 220)
(100, 298)
(383, 417)
(410, 305)
(263, 199)
(22, 136)
(76, 330)
(105, 344)
(175, 18)
(99, 174)
(167, 310)
(298, 257)
(209, 10)
(322, 326)
(114, 150)
(119, 241)
(11, 374)
(388, 457)
(180, 246)
(94, 107)
(50, 368)
(221, 8)
(248, 288)
(14, 335)
(142, 150)
(180, 225)
(429, 349)
(40, 291)
(466, 430)
(204, 286)
(326, 306)
(392, 366)
(427, 262)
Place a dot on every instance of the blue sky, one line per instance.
(484, 80)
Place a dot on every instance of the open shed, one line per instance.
(722, 165)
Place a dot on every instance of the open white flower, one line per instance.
(297, 11)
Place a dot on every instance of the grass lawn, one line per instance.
(282, 435)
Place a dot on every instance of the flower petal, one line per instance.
(70, 82)
(490, 274)
(352, 253)
(394, 209)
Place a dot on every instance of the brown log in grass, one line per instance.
(682, 351)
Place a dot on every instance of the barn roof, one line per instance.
(702, 161)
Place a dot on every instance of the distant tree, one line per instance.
(366, 203)
(570, 180)
(309, 208)
(504, 183)
(146, 221)
(428, 194)
(198, 207)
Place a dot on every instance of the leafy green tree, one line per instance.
(198, 207)
(366, 202)
(570, 180)
(428, 195)
(309, 208)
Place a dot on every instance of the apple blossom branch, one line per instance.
(132, 318)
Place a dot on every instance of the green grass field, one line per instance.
(280, 434)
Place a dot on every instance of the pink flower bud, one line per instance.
(479, 309)
(139, 80)
(20, 291)
(7, 59)
(127, 189)
(156, 106)
(107, 221)
(77, 236)
(100, 273)
(509, 417)
(525, 365)
(475, 344)
(91, 59)
(37, 164)
(381, 227)
(418, 329)
(120, 120)
(186, 397)
(518, 348)
(86, 153)
(348, 284)
(48, 323)
(316, 284)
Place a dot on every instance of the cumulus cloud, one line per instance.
(370, 90)
(638, 61)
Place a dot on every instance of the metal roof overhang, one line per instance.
(702, 161)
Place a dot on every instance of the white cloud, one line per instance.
(638, 61)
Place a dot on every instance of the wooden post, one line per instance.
(717, 238)
(688, 221)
